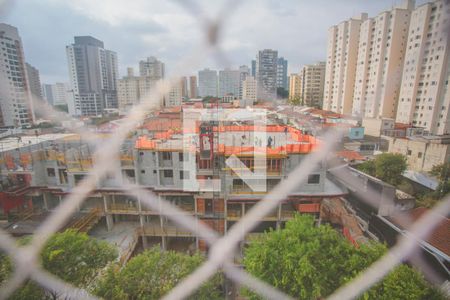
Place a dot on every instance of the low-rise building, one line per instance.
(422, 152)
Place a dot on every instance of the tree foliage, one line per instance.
(74, 257)
(152, 274)
(295, 100)
(389, 167)
(309, 262)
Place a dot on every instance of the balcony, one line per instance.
(167, 230)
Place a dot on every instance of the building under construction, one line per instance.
(39, 173)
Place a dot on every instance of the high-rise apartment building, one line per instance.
(244, 73)
(175, 95)
(93, 73)
(152, 67)
(295, 87)
(16, 107)
(282, 69)
(229, 83)
(381, 51)
(131, 90)
(193, 93)
(57, 94)
(266, 74)
(424, 99)
(312, 78)
(35, 83)
(207, 83)
(249, 88)
(184, 87)
(342, 55)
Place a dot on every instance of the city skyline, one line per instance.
(157, 33)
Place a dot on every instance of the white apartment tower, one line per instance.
(249, 88)
(131, 90)
(207, 83)
(342, 54)
(381, 52)
(152, 67)
(16, 107)
(424, 99)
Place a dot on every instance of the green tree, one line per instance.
(367, 167)
(73, 257)
(442, 172)
(389, 167)
(310, 262)
(294, 100)
(152, 274)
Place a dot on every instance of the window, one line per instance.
(184, 175)
(168, 173)
(167, 156)
(419, 155)
(181, 157)
(51, 172)
(409, 152)
(313, 178)
(142, 171)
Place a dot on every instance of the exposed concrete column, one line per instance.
(44, 197)
(164, 243)
(105, 204)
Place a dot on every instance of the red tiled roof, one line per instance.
(439, 238)
(350, 155)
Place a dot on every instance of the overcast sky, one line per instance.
(171, 31)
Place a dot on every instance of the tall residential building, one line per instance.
(253, 68)
(184, 87)
(381, 51)
(229, 83)
(57, 94)
(152, 67)
(131, 90)
(244, 72)
(193, 93)
(266, 74)
(424, 99)
(207, 83)
(312, 78)
(295, 87)
(175, 95)
(35, 83)
(16, 107)
(342, 54)
(249, 88)
(282, 69)
(93, 73)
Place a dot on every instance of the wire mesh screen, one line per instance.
(104, 158)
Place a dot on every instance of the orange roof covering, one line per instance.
(438, 238)
(162, 124)
(350, 155)
(308, 143)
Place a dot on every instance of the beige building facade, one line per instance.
(132, 89)
(295, 86)
(381, 49)
(249, 88)
(424, 99)
(422, 153)
(342, 55)
(312, 78)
